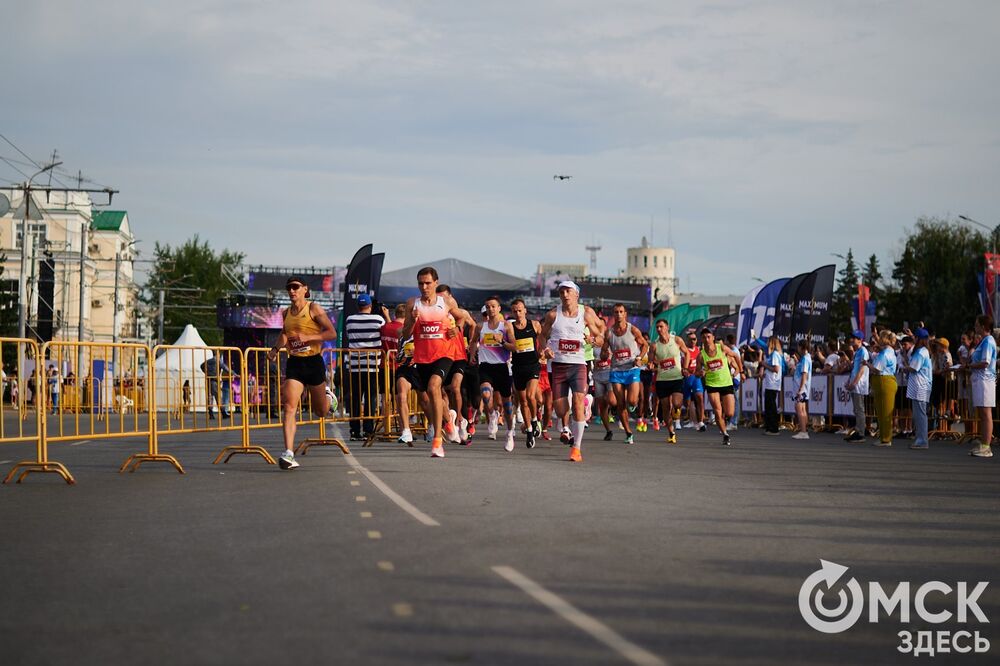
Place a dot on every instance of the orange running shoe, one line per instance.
(574, 455)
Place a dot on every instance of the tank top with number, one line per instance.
(668, 360)
(459, 351)
(524, 355)
(624, 349)
(566, 338)
(301, 322)
(717, 373)
(430, 332)
(491, 349)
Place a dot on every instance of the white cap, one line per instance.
(569, 284)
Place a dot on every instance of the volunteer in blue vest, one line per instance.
(774, 369)
(920, 374)
(983, 364)
(858, 386)
(802, 379)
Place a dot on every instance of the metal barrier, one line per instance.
(27, 413)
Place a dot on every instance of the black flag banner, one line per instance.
(785, 307)
(357, 279)
(811, 318)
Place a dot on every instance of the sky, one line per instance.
(758, 138)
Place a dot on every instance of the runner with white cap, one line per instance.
(562, 339)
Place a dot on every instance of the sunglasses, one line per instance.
(293, 287)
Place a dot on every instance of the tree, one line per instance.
(191, 265)
(847, 288)
(935, 278)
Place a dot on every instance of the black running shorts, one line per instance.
(664, 389)
(525, 374)
(496, 375)
(307, 370)
(425, 371)
(721, 390)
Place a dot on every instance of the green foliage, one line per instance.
(934, 279)
(847, 288)
(191, 265)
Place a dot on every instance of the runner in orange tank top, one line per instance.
(427, 319)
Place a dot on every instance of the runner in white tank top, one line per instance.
(562, 340)
(494, 375)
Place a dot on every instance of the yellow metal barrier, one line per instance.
(27, 414)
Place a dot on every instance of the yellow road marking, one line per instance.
(366, 514)
(402, 610)
(360, 498)
(386, 566)
(374, 534)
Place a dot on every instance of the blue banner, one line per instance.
(761, 319)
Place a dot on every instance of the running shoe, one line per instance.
(287, 460)
(536, 428)
(982, 452)
(451, 433)
(574, 455)
(509, 446)
(656, 424)
(472, 429)
(463, 429)
(331, 401)
(437, 452)
(546, 436)
(565, 436)
(881, 444)
(702, 427)
(491, 428)
(855, 438)
(629, 439)
(608, 436)
(726, 442)
(800, 435)
(672, 439)
(406, 437)
(641, 426)
(530, 439)
(688, 424)
(677, 424)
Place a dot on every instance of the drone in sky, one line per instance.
(560, 177)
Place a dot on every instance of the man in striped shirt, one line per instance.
(363, 333)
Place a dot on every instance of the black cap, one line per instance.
(296, 278)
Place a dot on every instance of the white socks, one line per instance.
(577, 428)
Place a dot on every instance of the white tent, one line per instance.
(175, 366)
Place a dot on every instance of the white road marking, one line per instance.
(366, 514)
(360, 498)
(374, 534)
(4, 462)
(355, 483)
(385, 565)
(419, 515)
(82, 441)
(575, 616)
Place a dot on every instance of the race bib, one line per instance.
(431, 332)
(297, 347)
(668, 364)
(408, 349)
(525, 345)
(715, 364)
(623, 354)
(570, 346)
(602, 364)
(492, 340)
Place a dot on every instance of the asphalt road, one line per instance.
(652, 553)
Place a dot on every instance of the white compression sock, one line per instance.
(577, 428)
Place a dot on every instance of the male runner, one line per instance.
(562, 339)
(666, 359)
(694, 388)
(494, 375)
(453, 382)
(713, 366)
(305, 328)
(603, 393)
(522, 342)
(626, 347)
(427, 319)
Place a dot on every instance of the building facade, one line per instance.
(655, 265)
(68, 238)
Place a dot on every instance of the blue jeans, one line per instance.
(919, 422)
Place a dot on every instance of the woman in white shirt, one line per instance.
(772, 367)
(983, 364)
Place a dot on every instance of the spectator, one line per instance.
(802, 378)
(217, 374)
(883, 368)
(364, 342)
(918, 387)
(186, 395)
(773, 369)
(55, 385)
(905, 428)
(983, 363)
(858, 386)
